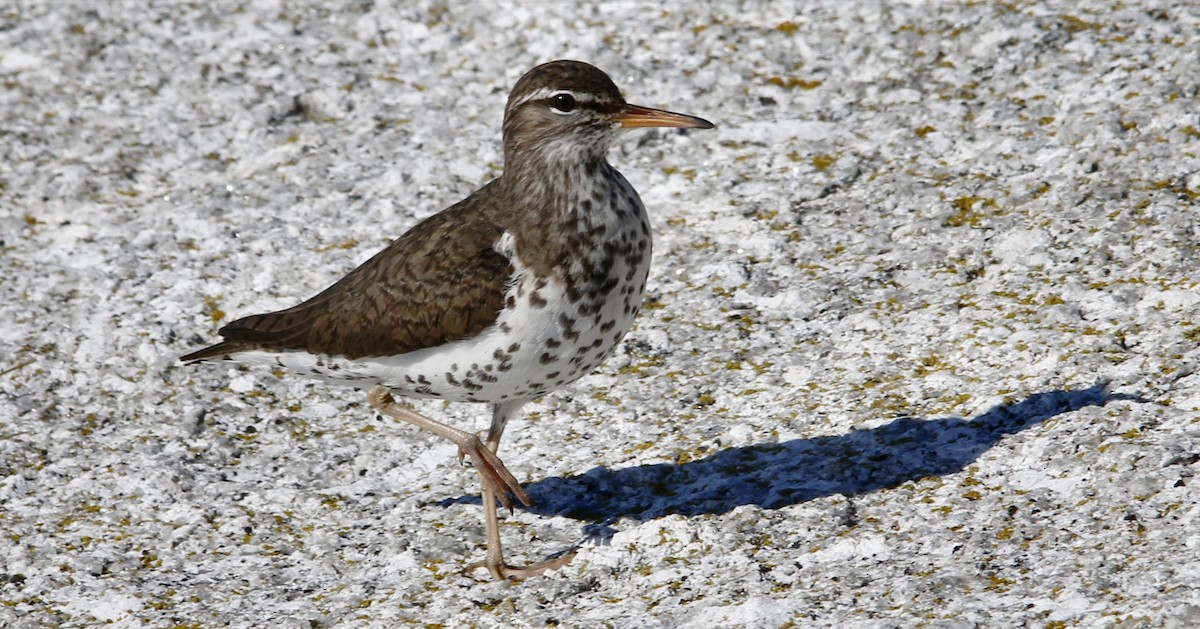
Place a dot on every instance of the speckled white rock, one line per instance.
(866, 389)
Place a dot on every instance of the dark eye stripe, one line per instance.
(563, 102)
(558, 103)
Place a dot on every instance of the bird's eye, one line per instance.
(563, 103)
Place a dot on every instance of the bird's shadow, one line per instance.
(774, 475)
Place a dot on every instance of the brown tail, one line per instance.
(220, 350)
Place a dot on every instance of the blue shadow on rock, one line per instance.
(774, 475)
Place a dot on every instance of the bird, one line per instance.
(518, 290)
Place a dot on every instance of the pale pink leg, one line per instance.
(492, 473)
(494, 562)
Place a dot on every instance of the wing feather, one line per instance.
(441, 281)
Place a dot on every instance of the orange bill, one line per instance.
(634, 116)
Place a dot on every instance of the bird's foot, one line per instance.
(501, 571)
(492, 473)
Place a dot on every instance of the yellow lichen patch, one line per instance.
(214, 310)
(823, 162)
(345, 244)
(787, 28)
(966, 213)
(653, 303)
(931, 364)
(792, 82)
(689, 173)
(999, 584)
(638, 367)
(924, 130)
(1075, 24)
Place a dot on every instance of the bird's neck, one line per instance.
(555, 189)
(565, 208)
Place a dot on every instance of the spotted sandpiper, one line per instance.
(519, 289)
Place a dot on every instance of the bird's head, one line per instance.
(570, 111)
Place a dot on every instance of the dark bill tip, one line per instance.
(635, 116)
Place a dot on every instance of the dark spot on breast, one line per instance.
(553, 343)
(552, 375)
(536, 300)
(514, 348)
(604, 269)
(451, 380)
(510, 303)
(607, 325)
(474, 386)
(505, 328)
(573, 293)
(546, 358)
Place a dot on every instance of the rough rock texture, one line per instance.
(920, 348)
